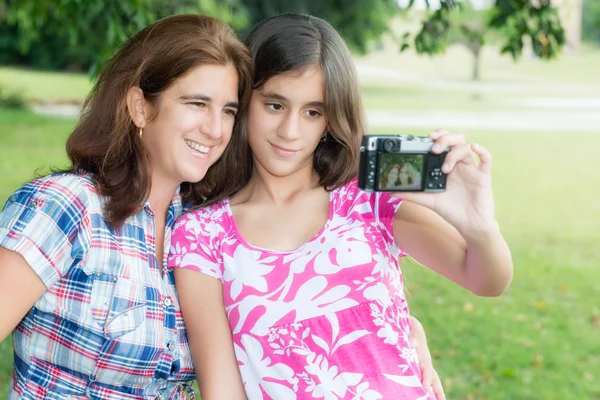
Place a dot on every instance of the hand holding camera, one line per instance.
(447, 177)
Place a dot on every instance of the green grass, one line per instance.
(40, 85)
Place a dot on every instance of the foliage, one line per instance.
(35, 31)
(11, 99)
(535, 20)
(359, 21)
(100, 26)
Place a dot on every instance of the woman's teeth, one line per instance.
(197, 147)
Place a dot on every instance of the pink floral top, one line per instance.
(326, 320)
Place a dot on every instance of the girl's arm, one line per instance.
(481, 263)
(209, 335)
(455, 232)
(20, 288)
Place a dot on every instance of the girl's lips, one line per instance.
(283, 151)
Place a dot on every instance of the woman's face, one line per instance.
(404, 175)
(193, 126)
(392, 176)
(286, 122)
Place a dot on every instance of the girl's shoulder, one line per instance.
(351, 198)
(214, 214)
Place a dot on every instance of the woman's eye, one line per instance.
(230, 112)
(313, 113)
(198, 104)
(275, 106)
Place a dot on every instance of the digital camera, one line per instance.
(400, 163)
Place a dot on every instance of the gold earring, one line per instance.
(324, 137)
(141, 132)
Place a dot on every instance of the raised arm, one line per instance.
(455, 232)
(20, 288)
(209, 335)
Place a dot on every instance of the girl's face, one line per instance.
(194, 123)
(404, 175)
(286, 122)
(392, 176)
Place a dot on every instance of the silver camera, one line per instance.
(400, 163)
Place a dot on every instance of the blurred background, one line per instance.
(521, 77)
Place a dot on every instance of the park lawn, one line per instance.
(538, 341)
(42, 85)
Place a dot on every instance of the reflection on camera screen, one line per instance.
(400, 171)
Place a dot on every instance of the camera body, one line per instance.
(400, 163)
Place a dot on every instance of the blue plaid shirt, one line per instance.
(109, 326)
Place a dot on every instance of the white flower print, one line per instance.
(332, 385)
(324, 299)
(249, 270)
(380, 293)
(409, 354)
(389, 334)
(255, 367)
(363, 392)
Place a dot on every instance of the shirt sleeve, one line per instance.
(194, 245)
(384, 208)
(45, 221)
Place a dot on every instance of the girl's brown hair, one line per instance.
(290, 43)
(105, 142)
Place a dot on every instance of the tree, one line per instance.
(358, 21)
(470, 28)
(513, 20)
(591, 21)
(103, 25)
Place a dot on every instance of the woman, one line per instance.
(306, 263)
(82, 252)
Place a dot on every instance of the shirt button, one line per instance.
(171, 347)
(167, 302)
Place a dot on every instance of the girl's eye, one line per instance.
(230, 112)
(199, 104)
(274, 106)
(313, 113)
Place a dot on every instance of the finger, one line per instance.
(485, 157)
(427, 373)
(447, 141)
(438, 133)
(461, 153)
(438, 389)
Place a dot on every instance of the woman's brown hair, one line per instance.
(290, 43)
(105, 142)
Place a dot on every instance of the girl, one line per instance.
(305, 263)
(82, 264)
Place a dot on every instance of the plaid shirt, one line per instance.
(109, 326)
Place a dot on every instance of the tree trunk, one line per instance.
(476, 63)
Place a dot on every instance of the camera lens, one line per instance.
(390, 145)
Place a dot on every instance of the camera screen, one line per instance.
(400, 171)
